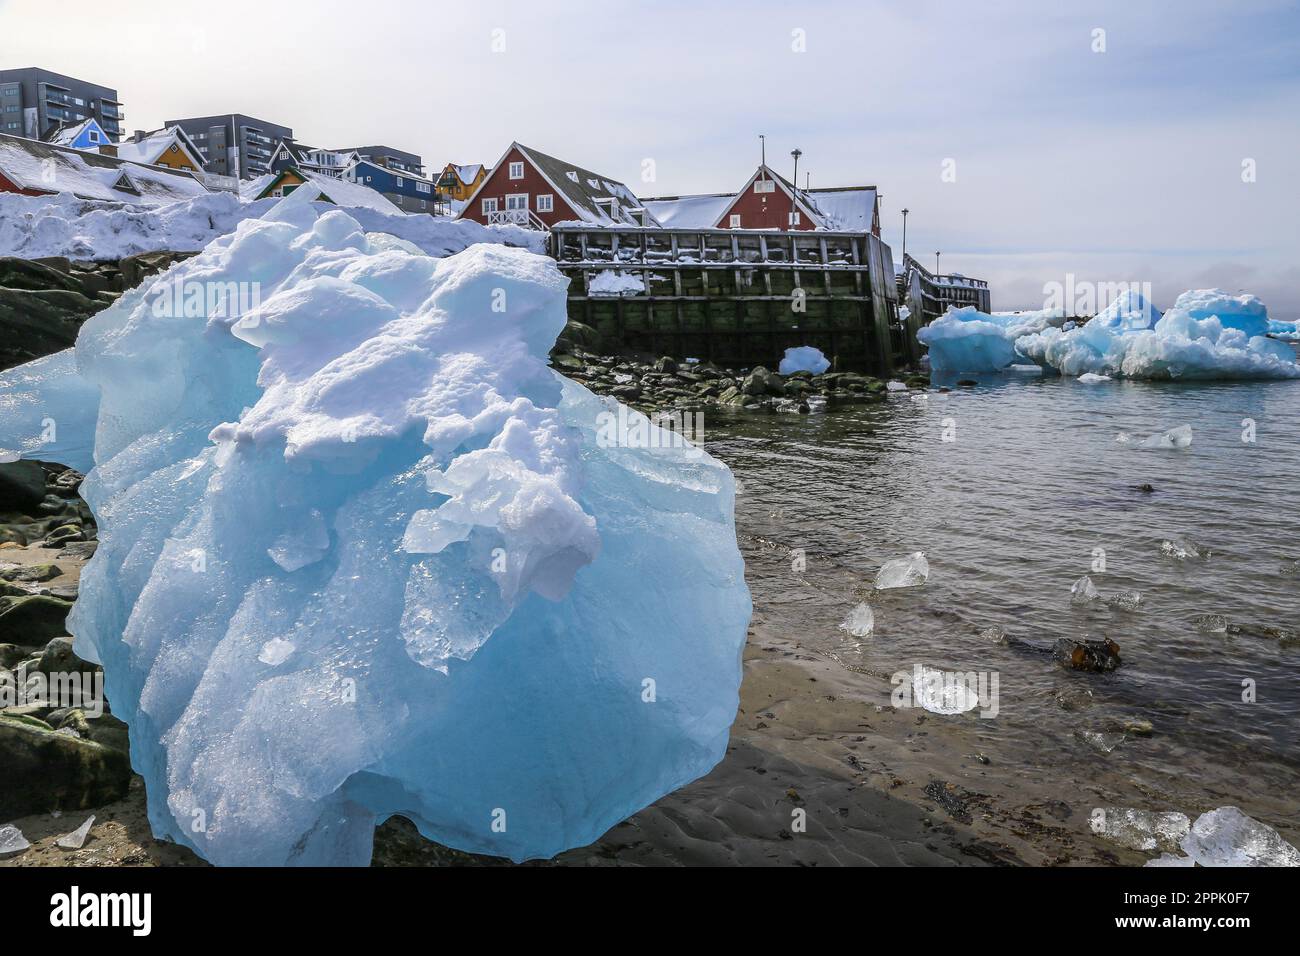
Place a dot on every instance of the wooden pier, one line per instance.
(928, 296)
(738, 298)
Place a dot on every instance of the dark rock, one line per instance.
(33, 621)
(30, 572)
(1087, 655)
(47, 771)
(665, 364)
(10, 655)
(36, 275)
(58, 658)
(38, 323)
(630, 392)
(22, 486)
(966, 383)
(63, 534)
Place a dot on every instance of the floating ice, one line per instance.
(1180, 437)
(1227, 837)
(941, 692)
(908, 572)
(1211, 623)
(1207, 334)
(12, 840)
(1140, 829)
(804, 358)
(860, 622)
(1183, 549)
(1083, 591)
(894, 386)
(967, 340)
(77, 838)
(560, 644)
(1090, 378)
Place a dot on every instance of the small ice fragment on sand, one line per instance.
(275, 651)
(860, 622)
(77, 838)
(1211, 624)
(1092, 377)
(1084, 591)
(1140, 829)
(896, 386)
(12, 840)
(1170, 859)
(940, 692)
(1227, 837)
(909, 572)
(1179, 437)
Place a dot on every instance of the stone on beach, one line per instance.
(1140, 829)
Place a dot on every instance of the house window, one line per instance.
(735, 221)
(399, 200)
(421, 187)
(489, 205)
(794, 218)
(516, 170)
(399, 181)
(765, 185)
(517, 201)
(94, 137)
(546, 203)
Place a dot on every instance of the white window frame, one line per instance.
(734, 221)
(516, 170)
(516, 196)
(794, 218)
(765, 185)
(489, 205)
(400, 181)
(546, 202)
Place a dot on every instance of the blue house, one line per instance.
(409, 193)
(87, 134)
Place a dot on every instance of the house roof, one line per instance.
(466, 173)
(580, 188)
(151, 147)
(68, 135)
(341, 192)
(49, 168)
(842, 208)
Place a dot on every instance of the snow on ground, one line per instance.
(375, 426)
(33, 227)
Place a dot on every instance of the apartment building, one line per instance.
(37, 104)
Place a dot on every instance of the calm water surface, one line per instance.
(1009, 515)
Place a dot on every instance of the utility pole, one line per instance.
(794, 193)
(762, 148)
(936, 262)
(905, 211)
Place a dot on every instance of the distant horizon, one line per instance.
(1027, 145)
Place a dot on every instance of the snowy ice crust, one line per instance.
(361, 553)
(1207, 334)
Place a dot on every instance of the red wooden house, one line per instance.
(769, 201)
(529, 188)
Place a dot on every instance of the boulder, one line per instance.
(33, 621)
(22, 486)
(46, 771)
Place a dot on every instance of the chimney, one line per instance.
(108, 149)
(138, 135)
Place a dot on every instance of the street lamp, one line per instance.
(936, 262)
(794, 195)
(905, 211)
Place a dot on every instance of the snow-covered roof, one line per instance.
(341, 192)
(45, 167)
(68, 135)
(690, 212)
(845, 208)
(582, 189)
(150, 148)
(467, 173)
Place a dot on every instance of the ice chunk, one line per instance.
(909, 572)
(967, 340)
(1211, 623)
(860, 622)
(1140, 829)
(48, 412)
(562, 648)
(1207, 334)
(12, 840)
(941, 692)
(1083, 591)
(1180, 437)
(1125, 600)
(1183, 549)
(1093, 377)
(804, 358)
(77, 838)
(1170, 859)
(894, 386)
(615, 282)
(1227, 837)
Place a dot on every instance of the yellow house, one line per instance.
(169, 147)
(459, 182)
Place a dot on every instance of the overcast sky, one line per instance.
(1122, 165)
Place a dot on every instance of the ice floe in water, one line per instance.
(803, 358)
(943, 692)
(361, 552)
(860, 622)
(967, 340)
(909, 572)
(1227, 837)
(1178, 437)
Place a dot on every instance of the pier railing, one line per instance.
(735, 297)
(928, 296)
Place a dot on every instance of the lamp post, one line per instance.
(936, 262)
(905, 211)
(794, 194)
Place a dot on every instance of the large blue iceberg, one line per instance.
(363, 553)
